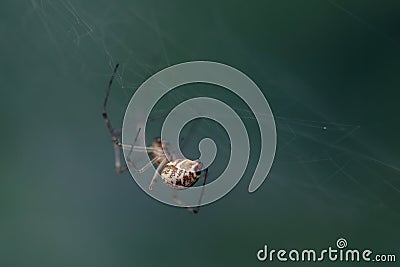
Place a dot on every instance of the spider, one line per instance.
(177, 174)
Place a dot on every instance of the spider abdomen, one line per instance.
(181, 173)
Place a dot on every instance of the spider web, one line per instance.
(325, 152)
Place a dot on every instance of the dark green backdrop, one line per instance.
(329, 69)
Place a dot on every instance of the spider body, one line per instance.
(175, 173)
(181, 173)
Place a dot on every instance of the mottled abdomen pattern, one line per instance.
(181, 173)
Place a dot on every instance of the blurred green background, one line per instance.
(329, 69)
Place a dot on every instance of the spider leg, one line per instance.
(160, 167)
(117, 156)
(113, 133)
(197, 209)
(145, 167)
(117, 153)
(132, 148)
